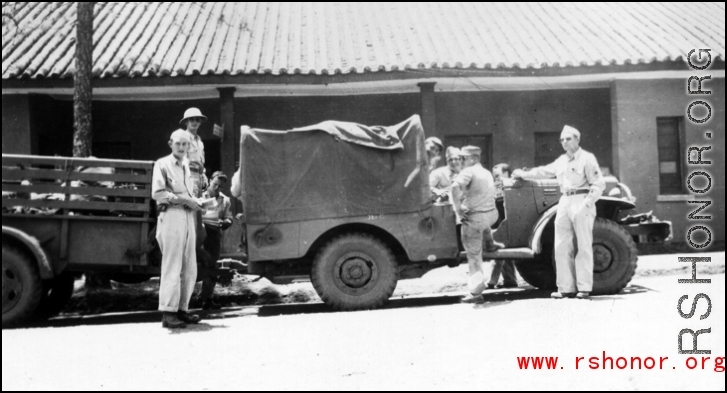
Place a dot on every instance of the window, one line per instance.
(547, 147)
(669, 139)
(484, 142)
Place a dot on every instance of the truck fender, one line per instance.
(33, 245)
(613, 204)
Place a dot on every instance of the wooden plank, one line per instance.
(46, 174)
(56, 189)
(77, 205)
(78, 218)
(14, 159)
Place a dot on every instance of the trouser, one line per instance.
(475, 231)
(574, 271)
(507, 269)
(176, 235)
(213, 246)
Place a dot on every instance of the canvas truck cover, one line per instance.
(333, 169)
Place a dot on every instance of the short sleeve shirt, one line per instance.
(478, 188)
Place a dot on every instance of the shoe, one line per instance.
(211, 305)
(472, 299)
(490, 286)
(188, 318)
(583, 295)
(501, 286)
(492, 246)
(559, 295)
(170, 321)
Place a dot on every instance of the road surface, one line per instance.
(422, 343)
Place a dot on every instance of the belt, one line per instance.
(576, 192)
(165, 207)
(480, 211)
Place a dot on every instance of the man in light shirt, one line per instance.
(581, 183)
(173, 190)
(216, 218)
(473, 197)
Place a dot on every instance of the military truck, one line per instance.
(343, 205)
(350, 207)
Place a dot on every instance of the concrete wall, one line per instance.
(636, 105)
(513, 117)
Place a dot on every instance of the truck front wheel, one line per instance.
(614, 260)
(355, 272)
(22, 287)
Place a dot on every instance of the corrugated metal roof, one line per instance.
(143, 39)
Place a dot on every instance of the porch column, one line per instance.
(429, 120)
(229, 139)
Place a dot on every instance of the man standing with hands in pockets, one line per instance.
(581, 184)
(173, 189)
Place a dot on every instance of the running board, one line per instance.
(507, 253)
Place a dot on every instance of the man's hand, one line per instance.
(190, 203)
(224, 224)
(517, 174)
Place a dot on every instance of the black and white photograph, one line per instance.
(345, 196)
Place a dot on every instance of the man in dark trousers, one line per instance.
(217, 217)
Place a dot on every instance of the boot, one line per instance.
(170, 321)
(188, 318)
(492, 246)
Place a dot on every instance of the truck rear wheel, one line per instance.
(22, 287)
(56, 294)
(614, 261)
(355, 272)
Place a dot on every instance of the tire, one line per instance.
(56, 294)
(355, 271)
(540, 272)
(614, 261)
(22, 287)
(615, 257)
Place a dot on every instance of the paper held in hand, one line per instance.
(207, 203)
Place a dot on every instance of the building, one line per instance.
(502, 76)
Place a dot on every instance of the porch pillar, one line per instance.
(428, 113)
(229, 138)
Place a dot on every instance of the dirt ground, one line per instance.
(244, 292)
(421, 343)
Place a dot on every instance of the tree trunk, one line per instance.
(83, 93)
(82, 100)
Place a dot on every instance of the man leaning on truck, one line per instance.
(581, 183)
(173, 189)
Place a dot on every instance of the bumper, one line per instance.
(650, 232)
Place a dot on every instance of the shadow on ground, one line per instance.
(493, 298)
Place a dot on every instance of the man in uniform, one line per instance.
(440, 179)
(504, 267)
(216, 218)
(434, 149)
(581, 184)
(473, 196)
(172, 189)
(191, 122)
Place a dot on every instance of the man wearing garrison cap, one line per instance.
(173, 190)
(473, 196)
(581, 184)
